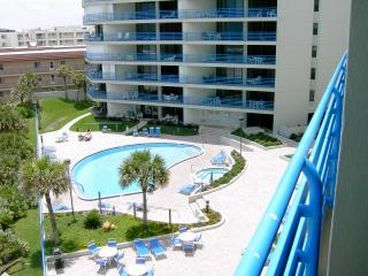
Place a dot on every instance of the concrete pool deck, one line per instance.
(242, 203)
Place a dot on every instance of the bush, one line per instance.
(11, 248)
(93, 220)
(260, 138)
(26, 111)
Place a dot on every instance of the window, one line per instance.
(36, 64)
(1, 80)
(1, 66)
(1, 94)
(3, 36)
(51, 65)
(313, 74)
(314, 51)
(62, 61)
(52, 78)
(39, 79)
(310, 116)
(316, 5)
(311, 95)
(315, 28)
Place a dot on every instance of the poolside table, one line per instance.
(187, 236)
(136, 269)
(108, 253)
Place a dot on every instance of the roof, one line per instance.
(41, 53)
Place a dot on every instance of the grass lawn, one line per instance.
(56, 112)
(75, 237)
(178, 130)
(28, 229)
(31, 135)
(260, 138)
(96, 123)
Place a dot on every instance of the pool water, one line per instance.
(99, 172)
(210, 174)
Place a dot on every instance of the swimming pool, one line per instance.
(99, 172)
(209, 174)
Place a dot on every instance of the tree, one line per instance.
(11, 120)
(79, 81)
(45, 177)
(25, 87)
(64, 71)
(147, 169)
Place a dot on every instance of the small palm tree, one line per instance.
(64, 71)
(145, 168)
(25, 87)
(44, 177)
(79, 81)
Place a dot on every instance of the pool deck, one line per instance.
(242, 204)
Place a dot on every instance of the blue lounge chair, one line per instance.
(118, 258)
(157, 249)
(219, 159)
(112, 243)
(188, 248)
(104, 205)
(145, 132)
(102, 265)
(175, 242)
(59, 207)
(197, 241)
(157, 131)
(140, 248)
(122, 271)
(150, 272)
(188, 189)
(93, 249)
(151, 132)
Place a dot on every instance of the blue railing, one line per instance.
(183, 79)
(291, 224)
(185, 36)
(175, 57)
(182, 14)
(228, 102)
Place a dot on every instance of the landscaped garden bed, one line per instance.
(259, 138)
(174, 129)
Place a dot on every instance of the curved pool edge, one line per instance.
(80, 196)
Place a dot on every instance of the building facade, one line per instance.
(256, 62)
(57, 36)
(42, 61)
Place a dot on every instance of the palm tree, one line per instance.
(145, 168)
(64, 71)
(25, 87)
(44, 177)
(79, 81)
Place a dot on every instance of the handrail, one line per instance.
(319, 145)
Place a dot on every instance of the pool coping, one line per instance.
(76, 191)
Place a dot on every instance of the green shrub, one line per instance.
(6, 218)
(11, 248)
(260, 138)
(26, 111)
(93, 220)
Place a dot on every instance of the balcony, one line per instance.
(188, 36)
(98, 18)
(175, 100)
(286, 241)
(210, 80)
(179, 58)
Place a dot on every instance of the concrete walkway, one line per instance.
(242, 203)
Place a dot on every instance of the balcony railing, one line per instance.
(174, 57)
(183, 79)
(182, 14)
(186, 36)
(289, 232)
(172, 99)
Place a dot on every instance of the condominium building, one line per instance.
(42, 61)
(8, 38)
(222, 63)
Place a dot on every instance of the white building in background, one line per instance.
(213, 62)
(56, 36)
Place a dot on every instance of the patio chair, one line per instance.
(119, 258)
(188, 248)
(140, 248)
(112, 243)
(157, 249)
(102, 265)
(122, 271)
(93, 249)
(151, 132)
(145, 132)
(135, 132)
(219, 159)
(175, 242)
(188, 188)
(140, 260)
(157, 131)
(197, 241)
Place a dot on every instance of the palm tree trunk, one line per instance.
(65, 89)
(52, 219)
(144, 208)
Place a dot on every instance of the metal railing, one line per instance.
(181, 14)
(218, 102)
(176, 57)
(183, 79)
(183, 36)
(289, 232)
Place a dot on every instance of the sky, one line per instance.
(28, 14)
